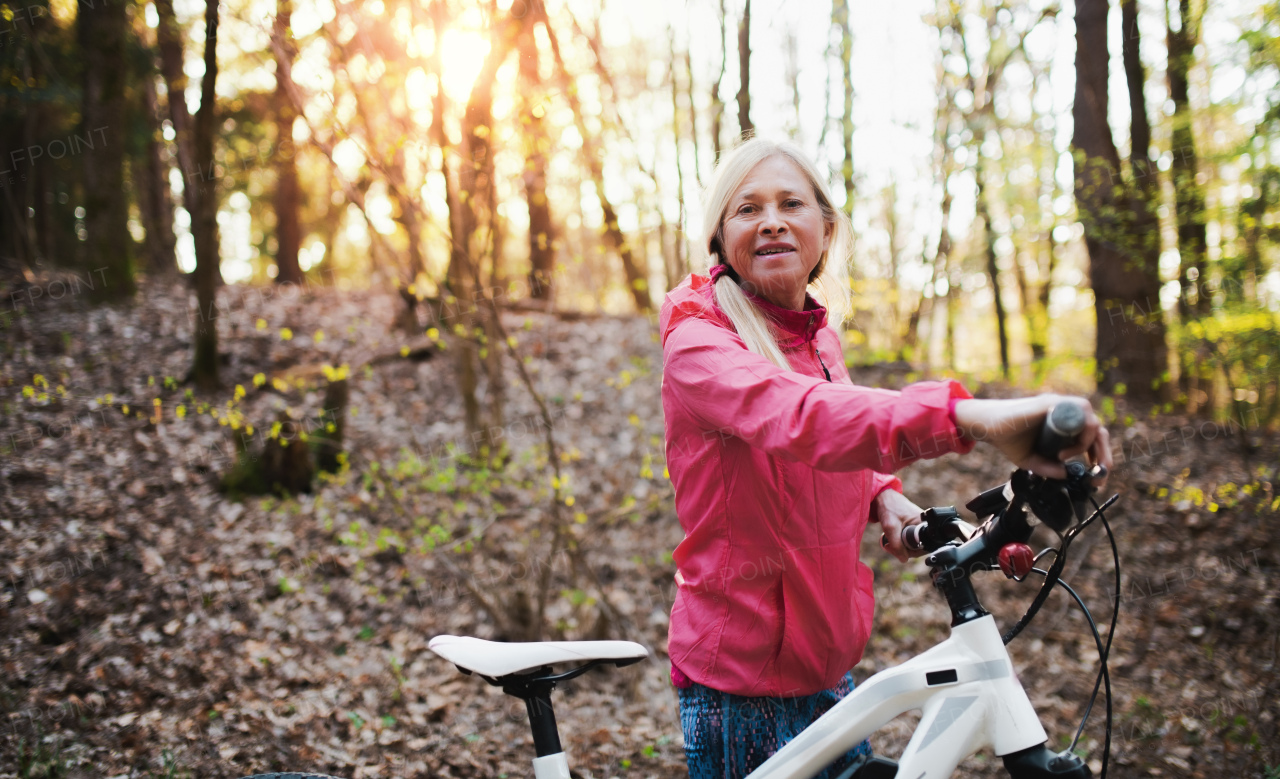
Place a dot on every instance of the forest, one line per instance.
(329, 326)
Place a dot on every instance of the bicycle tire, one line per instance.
(291, 775)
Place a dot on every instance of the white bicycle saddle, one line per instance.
(496, 659)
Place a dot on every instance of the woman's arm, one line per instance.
(728, 390)
(1012, 426)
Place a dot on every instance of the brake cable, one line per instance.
(1104, 676)
(1104, 652)
(1052, 577)
(1055, 571)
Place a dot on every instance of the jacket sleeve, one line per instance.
(729, 390)
(879, 483)
(883, 481)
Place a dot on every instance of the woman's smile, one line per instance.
(777, 250)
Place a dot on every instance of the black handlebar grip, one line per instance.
(911, 538)
(1062, 425)
(923, 538)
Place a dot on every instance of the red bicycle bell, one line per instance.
(1016, 560)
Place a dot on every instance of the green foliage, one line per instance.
(245, 478)
(168, 768)
(1263, 41)
(1241, 349)
(41, 758)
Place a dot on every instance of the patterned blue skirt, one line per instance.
(728, 736)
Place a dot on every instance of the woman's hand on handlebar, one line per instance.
(895, 511)
(1012, 426)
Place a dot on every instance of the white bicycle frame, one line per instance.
(970, 698)
(551, 767)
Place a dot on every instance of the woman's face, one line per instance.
(774, 234)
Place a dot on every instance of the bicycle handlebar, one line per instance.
(1062, 425)
(911, 537)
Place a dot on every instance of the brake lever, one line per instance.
(1080, 485)
(991, 501)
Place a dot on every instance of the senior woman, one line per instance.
(779, 462)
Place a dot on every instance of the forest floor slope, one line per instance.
(152, 626)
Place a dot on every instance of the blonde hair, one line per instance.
(829, 279)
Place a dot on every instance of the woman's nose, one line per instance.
(771, 222)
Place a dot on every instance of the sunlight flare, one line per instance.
(462, 53)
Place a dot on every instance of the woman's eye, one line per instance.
(793, 203)
(748, 209)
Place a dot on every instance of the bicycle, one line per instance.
(965, 686)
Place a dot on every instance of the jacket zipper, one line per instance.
(817, 352)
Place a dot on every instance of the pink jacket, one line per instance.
(774, 474)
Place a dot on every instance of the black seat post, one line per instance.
(542, 720)
(534, 689)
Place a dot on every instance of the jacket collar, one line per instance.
(794, 328)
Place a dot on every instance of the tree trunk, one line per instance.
(204, 225)
(492, 347)
(667, 249)
(475, 182)
(941, 265)
(893, 231)
(102, 30)
(840, 20)
(410, 218)
(330, 226)
(1252, 212)
(1144, 198)
(1144, 192)
(409, 288)
(155, 200)
(333, 416)
(944, 168)
(542, 237)
(676, 264)
(456, 278)
(1130, 350)
(791, 75)
(476, 205)
(1035, 302)
(1046, 250)
(1189, 194)
(717, 105)
(953, 308)
(439, 105)
(993, 272)
(34, 227)
(635, 269)
(911, 339)
(744, 72)
(288, 196)
(1031, 299)
(169, 39)
(693, 122)
(17, 244)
